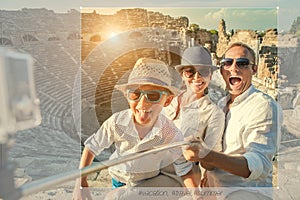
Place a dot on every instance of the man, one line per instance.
(251, 132)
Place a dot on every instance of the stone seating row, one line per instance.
(49, 105)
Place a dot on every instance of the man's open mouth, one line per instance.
(235, 80)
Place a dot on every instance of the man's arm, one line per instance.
(236, 165)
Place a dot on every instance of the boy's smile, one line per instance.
(142, 116)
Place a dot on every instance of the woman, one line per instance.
(192, 111)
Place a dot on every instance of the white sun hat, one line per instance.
(148, 71)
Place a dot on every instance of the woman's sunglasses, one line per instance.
(189, 72)
(242, 63)
(153, 96)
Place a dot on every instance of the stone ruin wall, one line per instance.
(20, 27)
(128, 19)
(289, 58)
(167, 28)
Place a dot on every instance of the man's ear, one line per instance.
(169, 100)
(254, 69)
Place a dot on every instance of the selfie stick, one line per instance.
(55, 180)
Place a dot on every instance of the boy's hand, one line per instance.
(81, 190)
(196, 151)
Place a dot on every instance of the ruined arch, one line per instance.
(5, 42)
(73, 36)
(174, 34)
(135, 35)
(53, 38)
(29, 38)
(95, 38)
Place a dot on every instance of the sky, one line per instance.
(238, 14)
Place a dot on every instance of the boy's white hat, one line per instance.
(148, 71)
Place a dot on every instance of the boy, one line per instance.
(139, 128)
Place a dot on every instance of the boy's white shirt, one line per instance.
(120, 129)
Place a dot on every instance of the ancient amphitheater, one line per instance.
(75, 70)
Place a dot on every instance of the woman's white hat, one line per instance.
(148, 71)
(195, 56)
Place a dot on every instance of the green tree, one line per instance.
(194, 27)
(213, 32)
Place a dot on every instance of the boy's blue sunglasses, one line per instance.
(151, 95)
(242, 63)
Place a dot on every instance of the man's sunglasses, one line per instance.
(242, 63)
(189, 72)
(151, 95)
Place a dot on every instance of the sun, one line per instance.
(112, 34)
